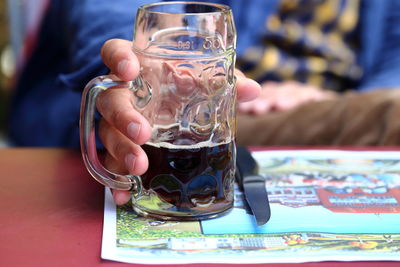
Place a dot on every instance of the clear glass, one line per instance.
(186, 90)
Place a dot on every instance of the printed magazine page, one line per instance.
(325, 205)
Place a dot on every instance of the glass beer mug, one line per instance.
(186, 90)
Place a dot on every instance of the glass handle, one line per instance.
(88, 136)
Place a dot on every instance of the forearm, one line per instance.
(351, 119)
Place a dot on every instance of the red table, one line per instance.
(51, 212)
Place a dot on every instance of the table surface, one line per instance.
(52, 212)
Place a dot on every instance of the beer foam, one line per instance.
(168, 145)
(193, 146)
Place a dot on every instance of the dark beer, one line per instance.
(191, 178)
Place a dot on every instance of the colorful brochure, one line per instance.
(326, 205)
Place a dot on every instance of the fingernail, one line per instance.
(122, 66)
(130, 160)
(133, 130)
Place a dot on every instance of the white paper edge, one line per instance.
(109, 247)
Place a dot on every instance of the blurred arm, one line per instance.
(45, 107)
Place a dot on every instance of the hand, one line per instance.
(278, 96)
(123, 129)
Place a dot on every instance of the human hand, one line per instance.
(278, 96)
(123, 129)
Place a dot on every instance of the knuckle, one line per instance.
(103, 130)
(118, 116)
(104, 133)
(120, 148)
(111, 164)
(105, 49)
(102, 102)
(110, 52)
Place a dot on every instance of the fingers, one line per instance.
(117, 54)
(120, 197)
(280, 96)
(114, 165)
(123, 157)
(122, 128)
(247, 89)
(128, 155)
(262, 104)
(291, 94)
(257, 106)
(116, 108)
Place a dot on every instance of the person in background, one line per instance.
(328, 70)
(304, 54)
